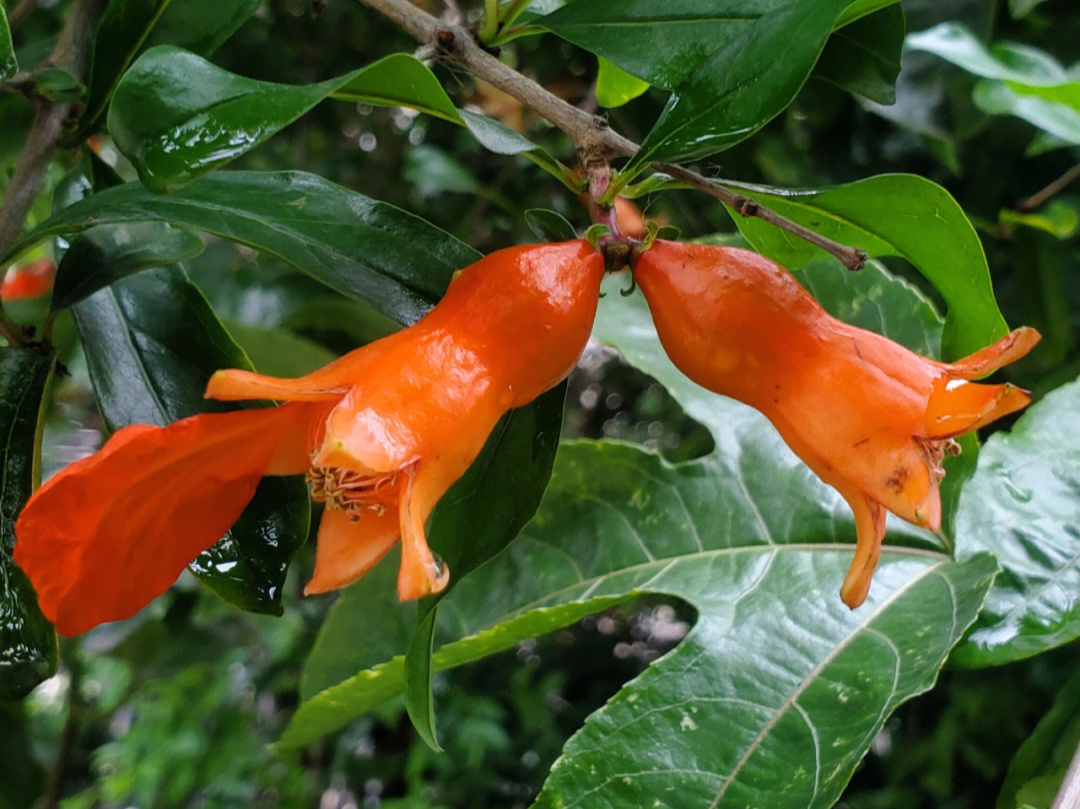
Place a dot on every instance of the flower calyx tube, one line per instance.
(871, 418)
(380, 433)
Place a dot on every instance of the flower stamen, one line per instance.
(352, 492)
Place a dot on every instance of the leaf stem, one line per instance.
(589, 133)
(490, 27)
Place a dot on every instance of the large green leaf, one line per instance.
(863, 57)
(1037, 769)
(151, 344)
(27, 639)
(361, 247)
(9, 65)
(893, 215)
(128, 25)
(106, 254)
(741, 85)
(176, 115)
(1021, 505)
(1019, 80)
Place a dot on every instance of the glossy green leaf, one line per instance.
(741, 85)
(875, 300)
(106, 254)
(9, 65)
(893, 215)
(128, 25)
(1038, 767)
(863, 57)
(614, 86)
(360, 247)
(549, 226)
(616, 521)
(419, 701)
(151, 344)
(27, 639)
(1021, 506)
(201, 26)
(173, 136)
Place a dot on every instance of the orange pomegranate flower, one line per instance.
(869, 417)
(381, 434)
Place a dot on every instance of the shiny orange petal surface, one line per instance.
(109, 533)
(870, 417)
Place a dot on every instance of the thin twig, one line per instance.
(1037, 199)
(71, 53)
(589, 133)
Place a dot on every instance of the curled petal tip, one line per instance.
(424, 579)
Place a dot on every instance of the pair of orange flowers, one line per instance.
(384, 431)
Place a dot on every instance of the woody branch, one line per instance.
(589, 133)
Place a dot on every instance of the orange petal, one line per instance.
(421, 573)
(347, 550)
(870, 531)
(108, 534)
(332, 381)
(1009, 348)
(956, 407)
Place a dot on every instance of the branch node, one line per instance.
(445, 39)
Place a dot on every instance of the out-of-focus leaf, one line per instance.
(27, 639)
(899, 215)
(279, 352)
(22, 779)
(172, 135)
(1008, 62)
(863, 57)
(152, 343)
(1061, 121)
(128, 25)
(1021, 81)
(614, 86)
(1021, 506)
(103, 255)
(1021, 8)
(9, 65)
(1059, 218)
(58, 85)
(361, 247)
(1038, 767)
(431, 171)
(549, 226)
